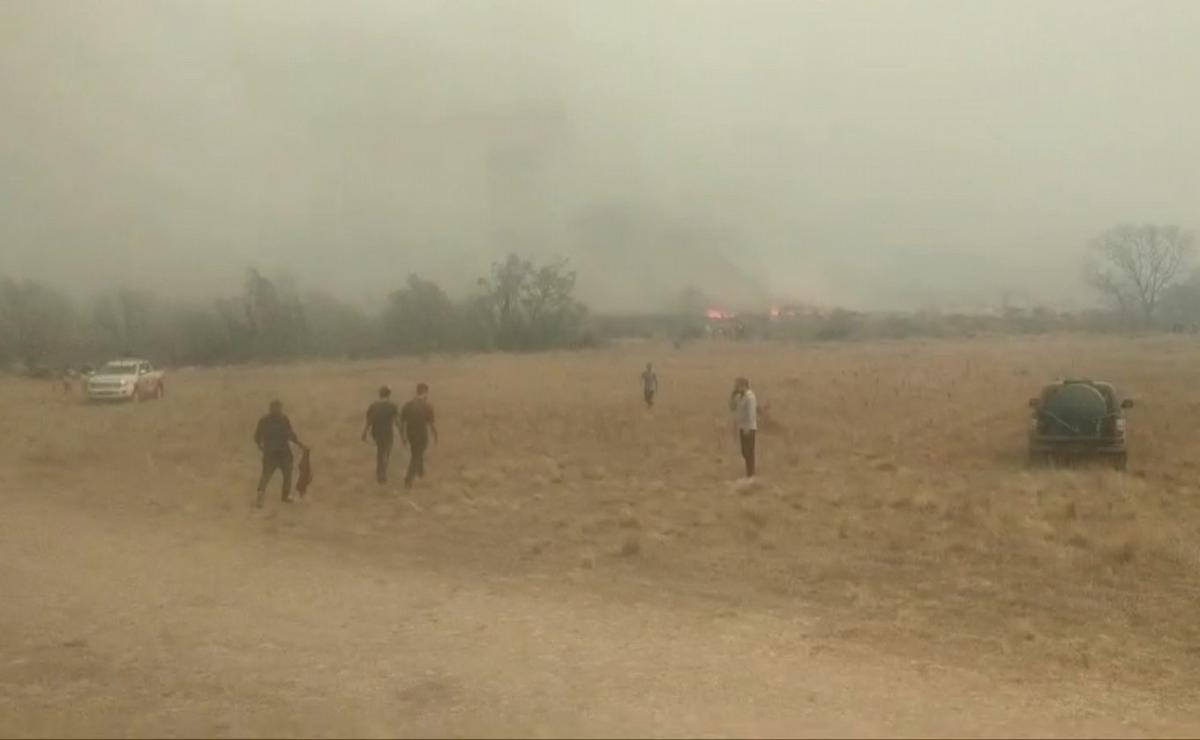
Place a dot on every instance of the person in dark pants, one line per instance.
(649, 384)
(382, 417)
(416, 424)
(745, 418)
(274, 437)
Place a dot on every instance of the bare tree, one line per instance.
(1132, 265)
(533, 307)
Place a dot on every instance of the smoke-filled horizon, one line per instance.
(867, 154)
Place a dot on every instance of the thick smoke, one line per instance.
(860, 153)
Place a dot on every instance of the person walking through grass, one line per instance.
(649, 384)
(382, 418)
(275, 437)
(744, 405)
(68, 380)
(416, 425)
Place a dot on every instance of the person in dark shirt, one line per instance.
(382, 418)
(275, 437)
(416, 424)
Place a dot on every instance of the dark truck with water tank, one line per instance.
(1078, 419)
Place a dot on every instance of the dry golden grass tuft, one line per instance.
(894, 504)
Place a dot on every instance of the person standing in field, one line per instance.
(382, 418)
(744, 405)
(275, 437)
(68, 381)
(649, 384)
(416, 425)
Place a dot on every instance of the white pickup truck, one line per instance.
(126, 380)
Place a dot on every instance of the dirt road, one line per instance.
(136, 625)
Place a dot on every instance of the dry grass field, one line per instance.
(895, 525)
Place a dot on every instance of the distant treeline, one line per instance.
(519, 306)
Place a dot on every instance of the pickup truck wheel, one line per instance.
(1120, 461)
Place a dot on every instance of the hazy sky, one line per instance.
(866, 153)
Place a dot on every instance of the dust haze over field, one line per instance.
(867, 154)
(576, 564)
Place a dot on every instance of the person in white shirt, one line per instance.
(649, 384)
(745, 419)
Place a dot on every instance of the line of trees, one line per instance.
(519, 306)
(1143, 272)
